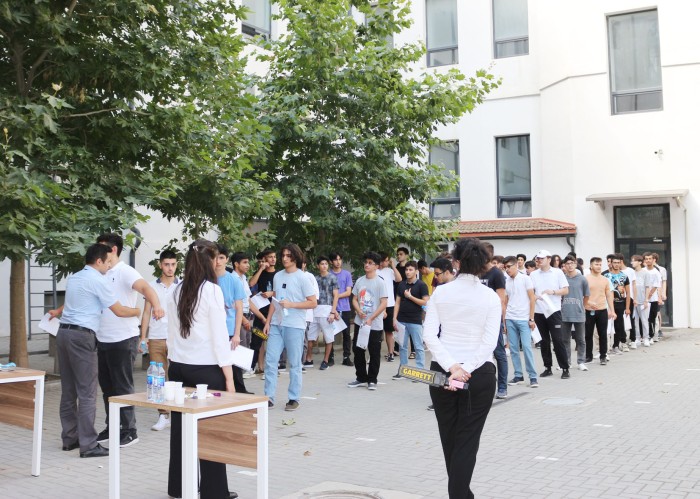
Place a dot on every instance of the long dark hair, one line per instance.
(472, 255)
(198, 270)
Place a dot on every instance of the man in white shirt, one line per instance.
(520, 320)
(154, 333)
(662, 291)
(550, 285)
(655, 298)
(632, 276)
(118, 338)
(387, 271)
(640, 317)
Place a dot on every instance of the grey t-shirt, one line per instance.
(572, 304)
(369, 293)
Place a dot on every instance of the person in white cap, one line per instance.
(550, 285)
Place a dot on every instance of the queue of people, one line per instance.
(466, 308)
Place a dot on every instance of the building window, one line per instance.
(635, 62)
(441, 32)
(257, 22)
(510, 35)
(513, 170)
(446, 204)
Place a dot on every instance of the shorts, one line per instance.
(315, 328)
(389, 321)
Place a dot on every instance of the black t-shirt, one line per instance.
(494, 279)
(409, 311)
(617, 284)
(265, 278)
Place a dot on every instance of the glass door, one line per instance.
(639, 229)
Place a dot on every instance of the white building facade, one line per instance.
(588, 145)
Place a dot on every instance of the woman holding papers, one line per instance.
(199, 352)
(467, 315)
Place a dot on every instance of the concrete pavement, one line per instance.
(625, 430)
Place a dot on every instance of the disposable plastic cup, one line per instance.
(180, 395)
(202, 391)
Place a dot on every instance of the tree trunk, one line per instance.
(18, 318)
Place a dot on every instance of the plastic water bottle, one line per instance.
(150, 379)
(159, 385)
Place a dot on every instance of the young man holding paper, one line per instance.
(369, 298)
(325, 312)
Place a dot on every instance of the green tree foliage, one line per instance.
(351, 123)
(111, 106)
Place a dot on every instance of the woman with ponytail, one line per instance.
(468, 315)
(198, 350)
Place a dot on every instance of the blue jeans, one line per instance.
(415, 333)
(501, 362)
(520, 338)
(293, 340)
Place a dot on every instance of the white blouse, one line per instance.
(208, 342)
(468, 316)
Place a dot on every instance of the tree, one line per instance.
(351, 124)
(109, 107)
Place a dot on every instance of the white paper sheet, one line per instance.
(279, 314)
(549, 307)
(400, 333)
(535, 335)
(363, 337)
(628, 322)
(49, 325)
(259, 301)
(242, 357)
(339, 326)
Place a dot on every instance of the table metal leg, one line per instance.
(189, 456)
(38, 423)
(262, 452)
(114, 450)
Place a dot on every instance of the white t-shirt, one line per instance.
(112, 328)
(312, 280)
(518, 308)
(246, 290)
(158, 329)
(552, 279)
(388, 275)
(654, 282)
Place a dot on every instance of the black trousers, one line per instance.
(597, 319)
(115, 373)
(347, 342)
(633, 331)
(551, 332)
(461, 416)
(213, 483)
(620, 334)
(653, 312)
(374, 347)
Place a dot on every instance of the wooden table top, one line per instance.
(19, 372)
(192, 406)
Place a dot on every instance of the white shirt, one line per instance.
(208, 342)
(518, 308)
(631, 275)
(314, 283)
(388, 275)
(654, 282)
(112, 328)
(468, 316)
(553, 279)
(246, 290)
(158, 329)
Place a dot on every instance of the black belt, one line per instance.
(78, 328)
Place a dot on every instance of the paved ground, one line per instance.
(634, 434)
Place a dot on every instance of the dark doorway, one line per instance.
(647, 228)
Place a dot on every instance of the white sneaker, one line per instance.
(162, 423)
(625, 348)
(582, 367)
(646, 343)
(616, 351)
(633, 345)
(248, 375)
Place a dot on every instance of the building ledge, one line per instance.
(676, 194)
(515, 227)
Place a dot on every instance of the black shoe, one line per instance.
(232, 495)
(292, 405)
(348, 362)
(270, 404)
(538, 344)
(565, 374)
(589, 359)
(603, 361)
(97, 451)
(431, 407)
(72, 446)
(128, 439)
(103, 436)
(546, 372)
